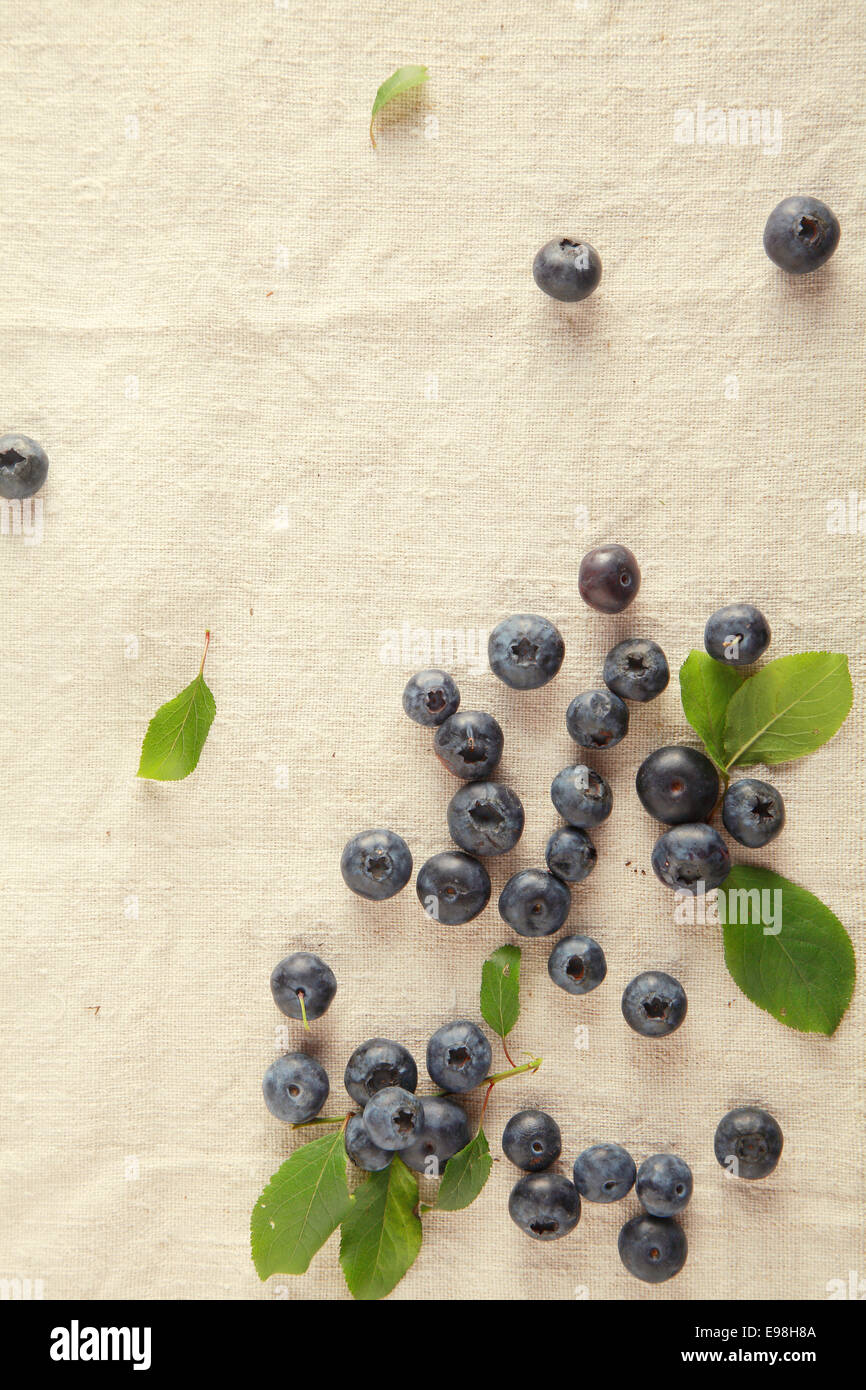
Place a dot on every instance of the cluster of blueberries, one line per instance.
(652, 1246)
(381, 1077)
(801, 234)
(677, 785)
(547, 1205)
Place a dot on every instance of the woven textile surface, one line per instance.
(305, 393)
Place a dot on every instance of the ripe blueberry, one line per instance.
(531, 1140)
(525, 651)
(677, 785)
(378, 1063)
(753, 812)
(444, 1132)
(430, 697)
(577, 964)
(544, 1205)
(361, 1149)
(570, 854)
(376, 864)
(469, 743)
(295, 1088)
(654, 1004)
(458, 1056)
(597, 719)
(393, 1118)
(737, 634)
(664, 1184)
(748, 1142)
(609, 578)
(303, 975)
(604, 1173)
(567, 268)
(801, 234)
(534, 903)
(636, 669)
(652, 1248)
(687, 857)
(581, 796)
(453, 887)
(23, 466)
(485, 818)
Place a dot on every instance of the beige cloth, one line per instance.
(304, 393)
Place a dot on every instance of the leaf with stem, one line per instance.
(403, 80)
(177, 732)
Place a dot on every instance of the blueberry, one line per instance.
(654, 1004)
(453, 887)
(361, 1149)
(690, 857)
(581, 796)
(534, 903)
(295, 1088)
(431, 697)
(801, 234)
(567, 268)
(652, 1248)
(664, 1184)
(378, 1063)
(393, 1118)
(458, 1056)
(609, 578)
(23, 466)
(485, 818)
(469, 743)
(444, 1132)
(748, 1142)
(753, 812)
(531, 1140)
(303, 975)
(544, 1205)
(636, 669)
(597, 719)
(577, 964)
(570, 854)
(677, 785)
(604, 1173)
(376, 864)
(525, 651)
(737, 634)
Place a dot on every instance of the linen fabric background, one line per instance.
(306, 394)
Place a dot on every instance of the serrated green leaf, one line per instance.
(500, 989)
(788, 708)
(176, 733)
(465, 1174)
(403, 80)
(706, 687)
(803, 974)
(381, 1233)
(303, 1203)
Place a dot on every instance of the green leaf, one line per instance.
(500, 989)
(303, 1203)
(381, 1234)
(403, 80)
(465, 1174)
(706, 686)
(802, 971)
(176, 733)
(788, 708)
